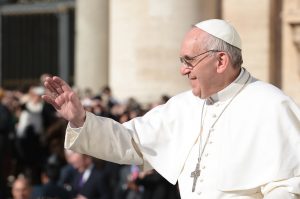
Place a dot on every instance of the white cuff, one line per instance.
(77, 130)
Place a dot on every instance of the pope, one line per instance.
(230, 136)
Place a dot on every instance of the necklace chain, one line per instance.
(201, 150)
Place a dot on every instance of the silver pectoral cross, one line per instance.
(195, 174)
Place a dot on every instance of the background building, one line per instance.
(133, 45)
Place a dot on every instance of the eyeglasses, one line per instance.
(187, 60)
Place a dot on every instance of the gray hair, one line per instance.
(235, 54)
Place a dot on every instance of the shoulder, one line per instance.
(265, 99)
(265, 93)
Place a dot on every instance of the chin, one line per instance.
(196, 93)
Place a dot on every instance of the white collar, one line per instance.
(87, 173)
(231, 89)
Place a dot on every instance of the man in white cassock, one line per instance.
(230, 136)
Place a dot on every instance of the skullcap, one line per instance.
(222, 30)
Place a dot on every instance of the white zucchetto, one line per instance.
(222, 30)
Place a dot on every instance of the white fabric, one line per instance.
(207, 183)
(32, 115)
(258, 139)
(222, 30)
(87, 173)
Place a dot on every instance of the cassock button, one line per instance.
(206, 154)
(199, 192)
(214, 115)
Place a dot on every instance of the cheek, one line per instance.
(196, 85)
(204, 75)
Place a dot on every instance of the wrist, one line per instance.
(79, 121)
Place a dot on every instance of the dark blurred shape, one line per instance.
(6, 129)
(50, 189)
(38, 38)
(3, 2)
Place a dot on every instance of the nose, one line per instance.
(185, 70)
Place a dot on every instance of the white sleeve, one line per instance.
(105, 139)
(284, 189)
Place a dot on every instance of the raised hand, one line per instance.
(64, 100)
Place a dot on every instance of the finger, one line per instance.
(49, 87)
(73, 98)
(50, 91)
(62, 83)
(62, 99)
(49, 100)
(49, 84)
(57, 87)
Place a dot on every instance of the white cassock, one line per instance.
(253, 150)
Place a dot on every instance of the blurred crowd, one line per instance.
(34, 164)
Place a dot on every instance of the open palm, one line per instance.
(60, 95)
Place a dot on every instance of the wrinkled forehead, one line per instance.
(192, 42)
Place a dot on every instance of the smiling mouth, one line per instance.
(192, 77)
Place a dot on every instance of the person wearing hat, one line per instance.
(230, 136)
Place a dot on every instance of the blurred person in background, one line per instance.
(29, 132)
(99, 107)
(32, 113)
(155, 186)
(127, 188)
(49, 187)
(67, 172)
(107, 97)
(6, 129)
(21, 188)
(88, 182)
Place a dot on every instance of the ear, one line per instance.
(223, 62)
